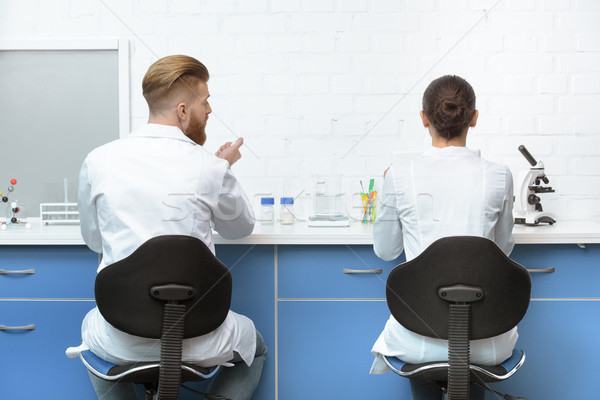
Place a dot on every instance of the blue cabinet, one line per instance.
(49, 300)
(253, 272)
(324, 351)
(328, 320)
(331, 272)
(560, 331)
(319, 308)
(56, 297)
(576, 275)
(33, 363)
(560, 339)
(50, 272)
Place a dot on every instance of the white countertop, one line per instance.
(579, 232)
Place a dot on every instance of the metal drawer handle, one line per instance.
(17, 328)
(544, 270)
(363, 271)
(23, 271)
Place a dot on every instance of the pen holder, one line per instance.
(368, 203)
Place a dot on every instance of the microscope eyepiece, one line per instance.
(527, 155)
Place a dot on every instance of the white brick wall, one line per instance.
(334, 86)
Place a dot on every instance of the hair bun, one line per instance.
(450, 108)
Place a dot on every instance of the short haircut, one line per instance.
(166, 78)
(449, 104)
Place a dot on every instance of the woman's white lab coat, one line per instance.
(444, 192)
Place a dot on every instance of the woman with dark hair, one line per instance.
(449, 190)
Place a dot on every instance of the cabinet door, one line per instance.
(253, 271)
(50, 272)
(33, 364)
(576, 272)
(324, 351)
(317, 272)
(560, 340)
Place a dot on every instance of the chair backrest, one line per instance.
(412, 287)
(123, 294)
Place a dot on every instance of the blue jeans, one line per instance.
(237, 382)
(429, 390)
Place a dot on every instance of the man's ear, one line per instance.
(425, 120)
(182, 111)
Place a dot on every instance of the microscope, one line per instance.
(528, 206)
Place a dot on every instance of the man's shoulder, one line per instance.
(142, 149)
(104, 148)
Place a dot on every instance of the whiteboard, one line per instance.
(58, 101)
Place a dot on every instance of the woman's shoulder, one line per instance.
(497, 168)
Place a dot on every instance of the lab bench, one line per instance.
(317, 295)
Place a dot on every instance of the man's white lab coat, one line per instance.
(157, 181)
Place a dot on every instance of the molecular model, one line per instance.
(13, 206)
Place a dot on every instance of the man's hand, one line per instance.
(231, 151)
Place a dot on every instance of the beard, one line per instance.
(196, 130)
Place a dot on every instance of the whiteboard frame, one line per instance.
(119, 44)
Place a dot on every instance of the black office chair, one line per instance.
(460, 288)
(172, 287)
